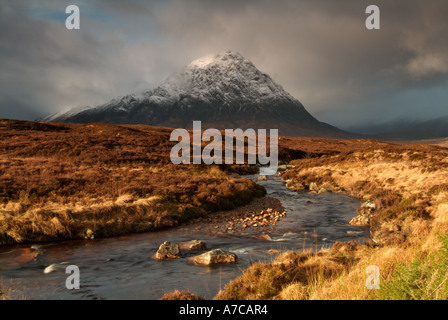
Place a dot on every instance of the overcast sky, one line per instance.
(319, 51)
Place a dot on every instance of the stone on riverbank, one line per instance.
(314, 187)
(217, 256)
(323, 191)
(284, 167)
(265, 237)
(168, 250)
(89, 234)
(365, 213)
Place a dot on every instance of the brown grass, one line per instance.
(407, 185)
(290, 270)
(181, 295)
(97, 180)
(404, 183)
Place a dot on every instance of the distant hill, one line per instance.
(431, 129)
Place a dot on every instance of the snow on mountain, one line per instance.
(64, 114)
(230, 77)
(224, 90)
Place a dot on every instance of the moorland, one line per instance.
(80, 181)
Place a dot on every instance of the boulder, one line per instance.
(367, 207)
(216, 256)
(89, 234)
(262, 178)
(360, 221)
(365, 213)
(168, 250)
(323, 191)
(281, 167)
(284, 167)
(294, 185)
(194, 245)
(265, 237)
(314, 187)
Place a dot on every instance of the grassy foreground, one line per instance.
(409, 187)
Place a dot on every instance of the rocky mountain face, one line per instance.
(224, 91)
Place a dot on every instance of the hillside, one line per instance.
(61, 182)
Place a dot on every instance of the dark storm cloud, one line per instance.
(47, 68)
(320, 51)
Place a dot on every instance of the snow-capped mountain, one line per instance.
(224, 91)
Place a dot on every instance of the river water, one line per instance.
(123, 267)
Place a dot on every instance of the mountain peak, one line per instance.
(223, 90)
(226, 79)
(222, 58)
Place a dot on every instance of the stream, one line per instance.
(123, 268)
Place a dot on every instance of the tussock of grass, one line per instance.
(181, 295)
(289, 271)
(425, 278)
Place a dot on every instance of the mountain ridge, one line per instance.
(428, 129)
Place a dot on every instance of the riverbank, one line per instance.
(262, 214)
(407, 186)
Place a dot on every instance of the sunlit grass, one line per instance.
(408, 187)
